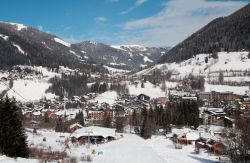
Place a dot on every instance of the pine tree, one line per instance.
(148, 124)
(142, 85)
(46, 118)
(60, 126)
(12, 134)
(119, 124)
(206, 60)
(221, 77)
(106, 120)
(143, 123)
(80, 118)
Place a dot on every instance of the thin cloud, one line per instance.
(178, 20)
(137, 4)
(113, 1)
(140, 2)
(101, 19)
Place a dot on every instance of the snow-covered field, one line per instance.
(108, 97)
(28, 90)
(129, 148)
(31, 89)
(115, 70)
(224, 88)
(150, 89)
(5, 159)
(54, 140)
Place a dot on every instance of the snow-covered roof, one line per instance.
(94, 131)
(75, 125)
(192, 136)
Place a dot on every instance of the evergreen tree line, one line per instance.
(197, 82)
(121, 89)
(69, 85)
(183, 112)
(98, 87)
(62, 125)
(12, 134)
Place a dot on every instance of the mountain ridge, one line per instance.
(231, 33)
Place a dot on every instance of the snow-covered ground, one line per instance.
(28, 90)
(108, 97)
(115, 70)
(166, 150)
(150, 89)
(224, 88)
(128, 148)
(132, 148)
(31, 89)
(236, 61)
(55, 141)
(5, 159)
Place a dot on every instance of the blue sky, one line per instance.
(144, 22)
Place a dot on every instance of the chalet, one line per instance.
(75, 98)
(93, 134)
(138, 104)
(143, 97)
(74, 127)
(161, 101)
(245, 98)
(27, 111)
(213, 116)
(188, 138)
(245, 105)
(218, 148)
(216, 130)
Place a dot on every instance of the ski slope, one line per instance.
(130, 149)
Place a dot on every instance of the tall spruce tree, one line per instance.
(107, 120)
(12, 134)
(80, 118)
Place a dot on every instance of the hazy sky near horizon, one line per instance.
(143, 22)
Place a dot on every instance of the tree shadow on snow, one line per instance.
(203, 160)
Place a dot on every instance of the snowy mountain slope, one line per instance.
(30, 88)
(20, 44)
(128, 57)
(226, 62)
(235, 67)
(230, 33)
